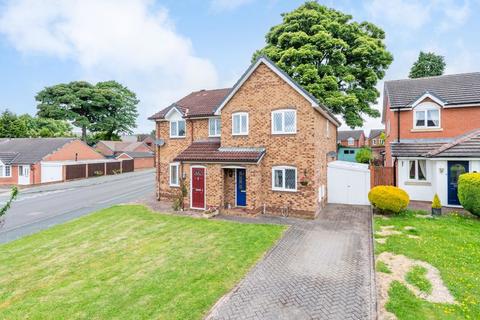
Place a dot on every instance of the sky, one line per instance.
(163, 50)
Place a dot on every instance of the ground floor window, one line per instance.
(5, 171)
(174, 174)
(284, 178)
(417, 170)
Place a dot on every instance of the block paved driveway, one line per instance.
(320, 269)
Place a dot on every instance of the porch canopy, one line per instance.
(211, 151)
(463, 146)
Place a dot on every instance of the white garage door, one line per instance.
(348, 183)
(51, 172)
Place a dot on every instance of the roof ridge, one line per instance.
(460, 139)
(434, 77)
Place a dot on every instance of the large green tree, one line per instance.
(336, 59)
(428, 64)
(107, 107)
(26, 126)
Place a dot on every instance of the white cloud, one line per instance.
(405, 13)
(131, 41)
(227, 5)
(456, 14)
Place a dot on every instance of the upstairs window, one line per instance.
(351, 141)
(284, 121)
(177, 128)
(284, 178)
(214, 127)
(426, 116)
(240, 124)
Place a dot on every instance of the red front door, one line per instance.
(198, 188)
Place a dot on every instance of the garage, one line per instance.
(348, 183)
(51, 172)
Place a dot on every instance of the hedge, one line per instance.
(389, 199)
(469, 192)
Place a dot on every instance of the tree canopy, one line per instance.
(107, 107)
(364, 155)
(336, 59)
(26, 126)
(427, 65)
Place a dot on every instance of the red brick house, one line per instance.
(139, 151)
(27, 161)
(432, 126)
(261, 146)
(376, 141)
(351, 138)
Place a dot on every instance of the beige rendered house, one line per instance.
(261, 146)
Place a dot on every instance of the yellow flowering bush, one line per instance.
(469, 192)
(389, 198)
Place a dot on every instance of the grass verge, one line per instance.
(127, 262)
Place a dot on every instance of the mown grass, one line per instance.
(127, 262)
(417, 277)
(382, 267)
(451, 244)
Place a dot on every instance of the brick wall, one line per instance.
(68, 152)
(142, 163)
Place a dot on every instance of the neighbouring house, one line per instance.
(140, 152)
(141, 160)
(261, 146)
(27, 161)
(433, 133)
(148, 139)
(376, 141)
(349, 142)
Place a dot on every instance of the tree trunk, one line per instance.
(84, 133)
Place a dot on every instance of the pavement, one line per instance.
(320, 269)
(38, 208)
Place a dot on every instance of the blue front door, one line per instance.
(241, 188)
(455, 169)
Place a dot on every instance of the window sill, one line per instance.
(178, 137)
(284, 190)
(284, 133)
(426, 129)
(175, 186)
(215, 136)
(417, 183)
(240, 134)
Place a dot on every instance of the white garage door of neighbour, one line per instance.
(51, 172)
(348, 183)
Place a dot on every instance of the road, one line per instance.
(39, 208)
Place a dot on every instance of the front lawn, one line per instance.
(127, 262)
(449, 243)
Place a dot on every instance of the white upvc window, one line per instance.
(174, 174)
(214, 127)
(5, 171)
(426, 115)
(284, 178)
(177, 128)
(284, 121)
(351, 141)
(417, 170)
(240, 124)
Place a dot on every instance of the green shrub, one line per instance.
(469, 192)
(389, 199)
(364, 155)
(436, 204)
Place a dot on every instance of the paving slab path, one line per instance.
(320, 269)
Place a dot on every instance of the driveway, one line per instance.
(39, 208)
(320, 269)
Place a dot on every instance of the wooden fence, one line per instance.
(381, 176)
(94, 169)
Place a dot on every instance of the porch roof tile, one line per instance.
(211, 151)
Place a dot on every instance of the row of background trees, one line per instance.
(337, 59)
